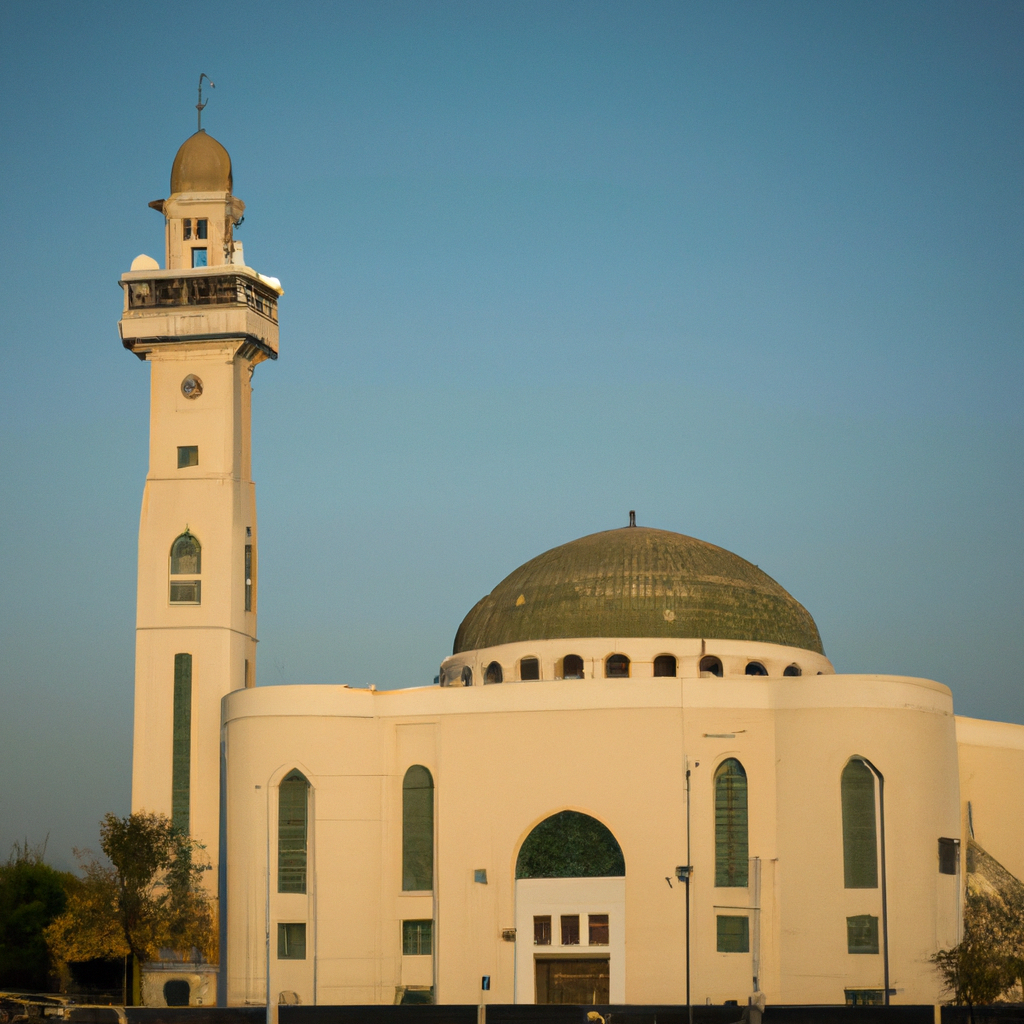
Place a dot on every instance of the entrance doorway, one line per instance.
(576, 981)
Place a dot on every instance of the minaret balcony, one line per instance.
(167, 307)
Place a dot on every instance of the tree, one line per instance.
(989, 960)
(150, 898)
(32, 894)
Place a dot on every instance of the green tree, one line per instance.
(32, 894)
(151, 897)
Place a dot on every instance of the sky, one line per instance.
(751, 269)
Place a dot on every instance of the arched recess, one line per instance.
(570, 845)
(418, 830)
(292, 832)
(860, 840)
(185, 569)
(731, 844)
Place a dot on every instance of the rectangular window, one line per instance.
(862, 934)
(248, 675)
(201, 228)
(291, 942)
(949, 856)
(598, 926)
(864, 997)
(417, 938)
(542, 930)
(570, 929)
(733, 934)
(186, 228)
(529, 668)
(248, 577)
(198, 257)
(188, 455)
(185, 592)
(181, 742)
(292, 821)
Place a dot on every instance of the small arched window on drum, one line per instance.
(572, 667)
(617, 667)
(711, 666)
(665, 665)
(493, 673)
(755, 668)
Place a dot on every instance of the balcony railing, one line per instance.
(212, 290)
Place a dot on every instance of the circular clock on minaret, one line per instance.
(191, 386)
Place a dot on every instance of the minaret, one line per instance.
(203, 324)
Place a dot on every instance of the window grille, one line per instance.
(733, 933)
(417, 830)
(181, 731)
(860, 847)
(731, 824)
(292, 830)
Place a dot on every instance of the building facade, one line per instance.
(638, 777)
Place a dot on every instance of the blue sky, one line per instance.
(751, 269)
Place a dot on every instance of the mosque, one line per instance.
(637, 778)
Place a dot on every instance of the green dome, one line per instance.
(637, 582)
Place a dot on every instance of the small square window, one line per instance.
(862, 934)
(480, 876)
(188, 455)
(201, 228)
(542, 930)
(570, 929)
(529, 668)
(733, 934)
(291, 942)
(185, 592)
(186, 228)
(598, 926)
(417, 938)
(198, 257)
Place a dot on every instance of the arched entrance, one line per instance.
(570, 913)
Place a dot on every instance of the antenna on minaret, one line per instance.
(201, 105)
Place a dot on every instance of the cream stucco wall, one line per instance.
(505, 757)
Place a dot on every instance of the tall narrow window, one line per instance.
(181, 748)
(417, 830)
(248, 577)
(292, 831)
(201, 228)
(731, 824)
(186, 567)
(860, 847)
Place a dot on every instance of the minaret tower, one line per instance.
(203, 324)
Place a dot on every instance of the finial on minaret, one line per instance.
(200, 105)
(632, 518)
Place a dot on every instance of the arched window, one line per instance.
(665, 665)
(711, 666)
(755, 668)
(860, 847)
(467, 676)
(730, 824)
(493, 673)
(617, 667)
(572, 667)
(529, 668)
(418, 830)
(292, 831)
(792, 670)
(186, 566)
(570, 845)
